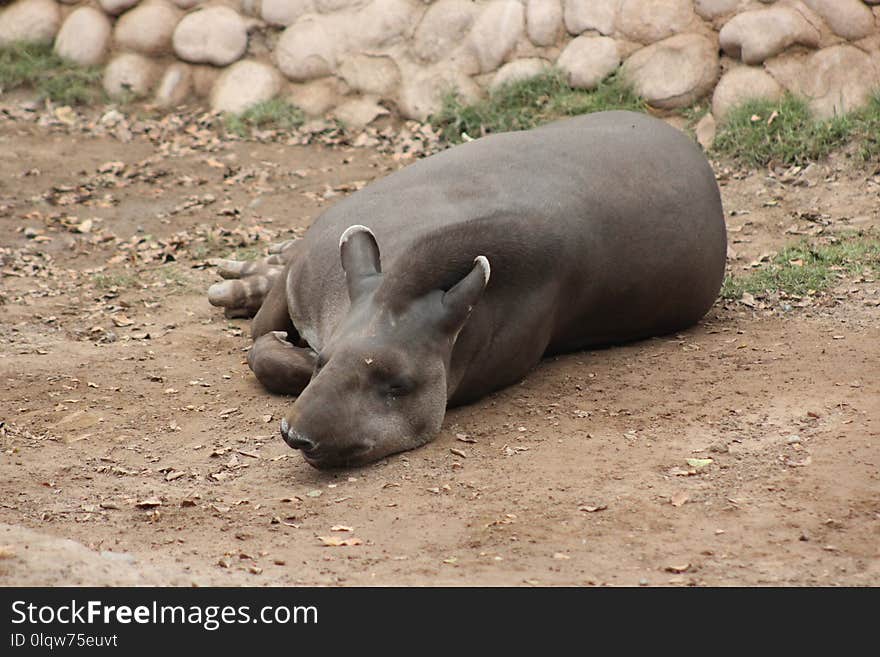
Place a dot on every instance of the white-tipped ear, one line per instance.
(483, 261)
(351, 230)
(359, 254)
(460, 300)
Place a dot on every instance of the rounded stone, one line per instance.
(147, 28)
(84, 37)
(583, 15)
(175, 85)
(587, 60)
(850, 19)
(216, 35)
(544, 21)
(495, 33)
(674, 72)
(308, 48)
(329, 6)
(243, 85)
(370, 74)
(379, 24)
(759, 34)
(317, 97)
(116, 7)
(130, 73)
(649, 21)
(35, 21)
(187, 4)
(519, 69)
(359, 112)
(740, 84)
(421, 94)
(838, 80)
(712, 9)
(442, 28)
(285, 12)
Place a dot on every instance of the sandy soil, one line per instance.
(131, 424)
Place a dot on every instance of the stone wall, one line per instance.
(360, 58)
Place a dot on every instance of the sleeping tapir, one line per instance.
(452, 277)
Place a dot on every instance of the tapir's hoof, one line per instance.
(240, 297)
(247, 282)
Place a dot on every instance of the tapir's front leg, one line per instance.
(247, 284)
(280, 366)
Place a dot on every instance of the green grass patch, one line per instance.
(759, 132)
(805, 268)
(36, 66)
(252, 252)
(276, 113)
(524, 104)
(866, 131)
(108, 281)
(172, 276)
(785, 132)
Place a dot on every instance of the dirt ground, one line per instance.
(132, 425)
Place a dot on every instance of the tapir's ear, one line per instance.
(359, 253)
(460, 299)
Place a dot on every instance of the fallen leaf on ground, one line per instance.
(332, 541)
(677, 569)
(680, 498)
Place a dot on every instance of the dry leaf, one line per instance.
(677, 569)
(67, 440)
(679, 498)
(332, 541)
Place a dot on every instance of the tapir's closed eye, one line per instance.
(395, 386)
(399, 387)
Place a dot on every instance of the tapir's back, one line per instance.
(616, 211)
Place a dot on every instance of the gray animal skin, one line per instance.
(590, 231)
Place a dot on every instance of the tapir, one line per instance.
(452, 277)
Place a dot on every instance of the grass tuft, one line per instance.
(35, 65)
(806, 268)
(524, 104)
(276, 113)
(107, 281)
(866, 131)
(759, 132)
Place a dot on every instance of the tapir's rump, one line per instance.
(597, 230)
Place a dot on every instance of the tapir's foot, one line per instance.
(280, 366)
(248, 283)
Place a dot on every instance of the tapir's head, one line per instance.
(380, 381)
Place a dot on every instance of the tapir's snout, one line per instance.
(320, 456)
(294, 438)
